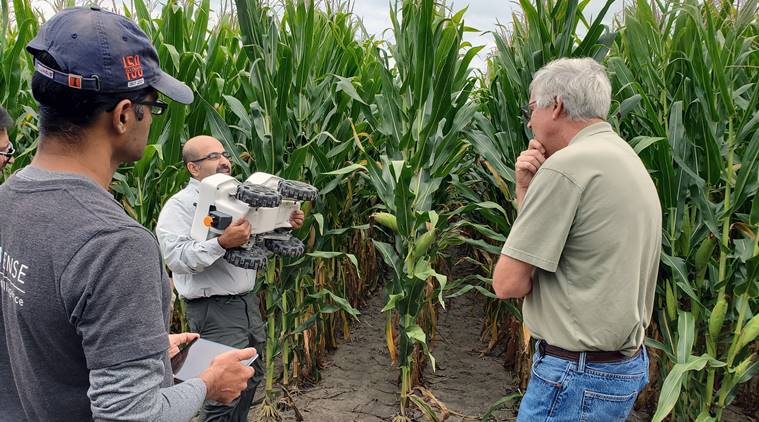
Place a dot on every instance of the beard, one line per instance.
(223, 169)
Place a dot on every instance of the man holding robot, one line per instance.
(219, 300)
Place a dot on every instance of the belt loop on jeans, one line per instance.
(540, 348)
(581, 363)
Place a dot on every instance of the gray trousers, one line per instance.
(235, 321)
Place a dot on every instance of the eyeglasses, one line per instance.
(9, 152)
(527, 110)
(212, 156)
(156, 107)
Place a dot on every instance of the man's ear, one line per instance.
(558, 108)
(191, 167)
(122, 116)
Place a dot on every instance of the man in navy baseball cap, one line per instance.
(84, 298)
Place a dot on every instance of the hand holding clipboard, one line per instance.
(225, 370)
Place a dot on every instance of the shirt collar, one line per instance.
(591, 130)
(194, 184)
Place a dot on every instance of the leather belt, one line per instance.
(595, 357)
(214, 297)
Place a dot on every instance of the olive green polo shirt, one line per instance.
(591, 225)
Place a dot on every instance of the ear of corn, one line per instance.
(386, 219)
(749, 333)
(740, 370)
(704, 254)
(717, 317)
(424, 242)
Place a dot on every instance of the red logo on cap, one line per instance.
(75, 81)
(132, 67)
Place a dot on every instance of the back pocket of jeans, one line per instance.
(599, 407)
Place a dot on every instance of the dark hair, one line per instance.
(5, 120)
(65, 111)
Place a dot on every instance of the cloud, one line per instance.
(484, 15)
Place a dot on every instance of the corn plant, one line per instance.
(421, 110)
(290, 122)
(687, 74)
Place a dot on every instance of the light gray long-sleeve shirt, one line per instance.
(198, 266)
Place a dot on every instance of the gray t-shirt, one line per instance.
(79, 293)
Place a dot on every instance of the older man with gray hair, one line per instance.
(583, 251)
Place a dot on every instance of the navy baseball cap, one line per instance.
(102, 52)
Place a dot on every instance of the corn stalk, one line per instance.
(685, 74)
(289, 122)
(421, 110)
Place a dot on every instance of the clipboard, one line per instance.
(196, 356)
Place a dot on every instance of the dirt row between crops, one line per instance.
(359, 384)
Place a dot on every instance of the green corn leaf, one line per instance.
(673, 383)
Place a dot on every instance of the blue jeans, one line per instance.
(565, 390)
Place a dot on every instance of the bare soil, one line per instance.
(359, 383)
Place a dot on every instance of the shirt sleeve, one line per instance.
(182, 253)
(544, 221)
(131, 391)
(112, 290)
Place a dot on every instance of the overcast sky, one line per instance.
(481, 14)
(484, 15)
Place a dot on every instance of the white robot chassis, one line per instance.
(266, 201)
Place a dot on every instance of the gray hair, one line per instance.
(581, 84)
